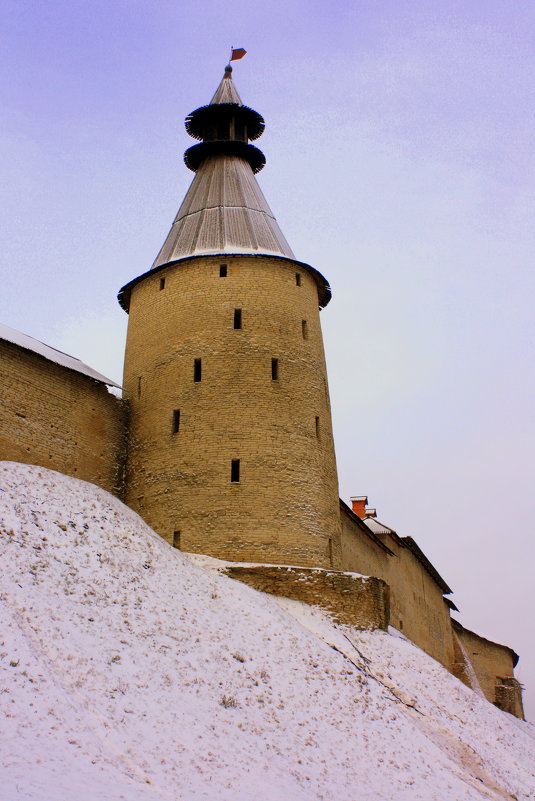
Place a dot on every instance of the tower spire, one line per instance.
(224, 210)
(226, 92)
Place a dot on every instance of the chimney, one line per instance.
(371, 512)
(358, 505)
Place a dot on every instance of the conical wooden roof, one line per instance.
(224, 210)
(226, 92)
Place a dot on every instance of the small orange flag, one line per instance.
(238, 53)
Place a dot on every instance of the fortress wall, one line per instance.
(284, 508)
(417, 606)
(493, 665)
(421, 612)
(352, 600)
(360, 553)
(58, 418)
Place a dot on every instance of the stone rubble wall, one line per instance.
(349, 599)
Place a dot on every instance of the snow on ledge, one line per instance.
(220, 565)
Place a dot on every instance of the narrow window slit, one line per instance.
(222, 270)
(304, 329)
(235, 471)
(317, 427)
(176, 539)
(237, 318)
(274, 369)
(162, 283)
(298, 279)
(197, 370)
(176, 421)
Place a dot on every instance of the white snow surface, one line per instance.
(129, 673)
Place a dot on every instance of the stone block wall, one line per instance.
(349, 599)
(61, 419)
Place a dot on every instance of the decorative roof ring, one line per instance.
(225, 125)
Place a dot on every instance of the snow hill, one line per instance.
(130, 673)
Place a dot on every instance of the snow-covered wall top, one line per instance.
(57, 356)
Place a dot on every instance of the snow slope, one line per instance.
(127, 672)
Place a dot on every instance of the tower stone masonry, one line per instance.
(230, 449)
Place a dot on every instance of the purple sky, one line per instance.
(399, 149)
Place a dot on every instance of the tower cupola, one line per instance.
(225, 126)
(224, 211)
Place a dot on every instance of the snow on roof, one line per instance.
(377, 527)
(53, 355)
(364, 528)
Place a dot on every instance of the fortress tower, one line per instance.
(231, 450)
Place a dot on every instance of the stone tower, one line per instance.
(231, 449)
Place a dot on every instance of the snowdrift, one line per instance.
(130, 673)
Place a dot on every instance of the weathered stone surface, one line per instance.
(417, 608)
(350, 599)
(284, 509)
(493, 665)
(61, 419)
(509, 696)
